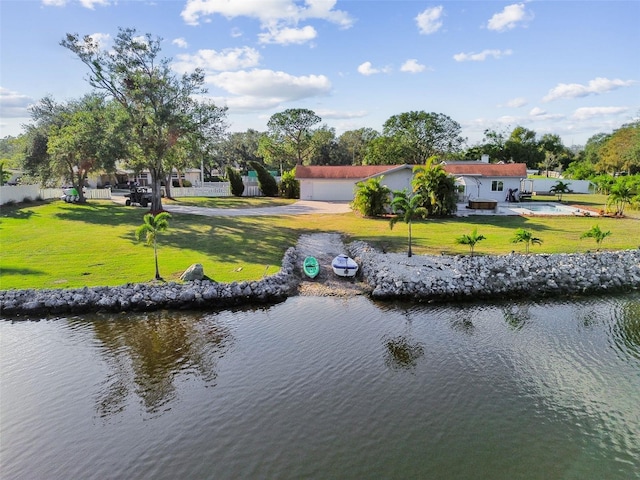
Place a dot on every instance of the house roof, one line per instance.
(342, 171)
(357, 172)
(488, 169)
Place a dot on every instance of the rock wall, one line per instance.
(425, 277)
(199, 294)
(389, 275)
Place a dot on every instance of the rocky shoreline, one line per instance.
(383, 276)
(442, 278)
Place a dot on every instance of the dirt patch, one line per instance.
(324, 247)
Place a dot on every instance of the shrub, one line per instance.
(371, 198)
(235, 179)
(267, 183)
(289, 186)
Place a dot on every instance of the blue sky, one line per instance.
(566, 67)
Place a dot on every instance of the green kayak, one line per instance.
(311, 267)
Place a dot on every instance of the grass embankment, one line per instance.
(58, 245)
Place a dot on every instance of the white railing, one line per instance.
(18, 193)
(13, 193)
(89, 193)
(214, 189)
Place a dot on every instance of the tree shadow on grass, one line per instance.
(20, 271)
(102, 214)
(229, 239)
(17, 213)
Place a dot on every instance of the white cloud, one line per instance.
(594, 87)
(212, 60)
(412, 66)
(287, 35)
(367, 69)
(269, 87)
(14, 104)
(180, 42)
(90, 4)
(585, 113)
(278, 17)
(538, 114)
(341, 115)
(509, 18)
(516, 102)
(482, 56)
(429, 20)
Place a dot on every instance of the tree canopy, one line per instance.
(290, 137)
(425, 134)
(160, 106)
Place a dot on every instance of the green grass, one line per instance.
(58, 245)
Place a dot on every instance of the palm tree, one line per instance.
(152, 226)
(527, 237)
(470, 240)
(559, 189)
(596, 234)
(620, 195)
(436, 187)
(371, 197)
(406, 208)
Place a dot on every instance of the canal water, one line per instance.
(327, 388)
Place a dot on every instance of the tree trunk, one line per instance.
(409, 240)
(167, 186)
(156, 191)
(155, 254)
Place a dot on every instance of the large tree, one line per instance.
(290, 137)
(71, 140)
(384, 150)
(621, 151)
(160, 106)
(425, 134)
(523, 147)
(355, 143)
(326, 148)
(239, 149)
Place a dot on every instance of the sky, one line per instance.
(570, 68)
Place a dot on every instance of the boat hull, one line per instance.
(311, 267)
(343, 266)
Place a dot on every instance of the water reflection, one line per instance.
(147, 354)
(517, 316)
(626, 330)
(402, 352)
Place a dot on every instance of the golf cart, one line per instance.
(138, 195)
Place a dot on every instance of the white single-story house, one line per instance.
(480, 179)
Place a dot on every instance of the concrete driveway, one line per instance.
(301, 207)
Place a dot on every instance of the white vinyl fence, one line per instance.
(18, 193)
(214, 189)
(543, 185)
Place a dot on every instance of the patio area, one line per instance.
(525, 209)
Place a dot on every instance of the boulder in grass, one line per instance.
(194, 272)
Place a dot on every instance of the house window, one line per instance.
(497, 186)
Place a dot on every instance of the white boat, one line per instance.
(343, 266)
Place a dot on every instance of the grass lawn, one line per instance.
(59, 245)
